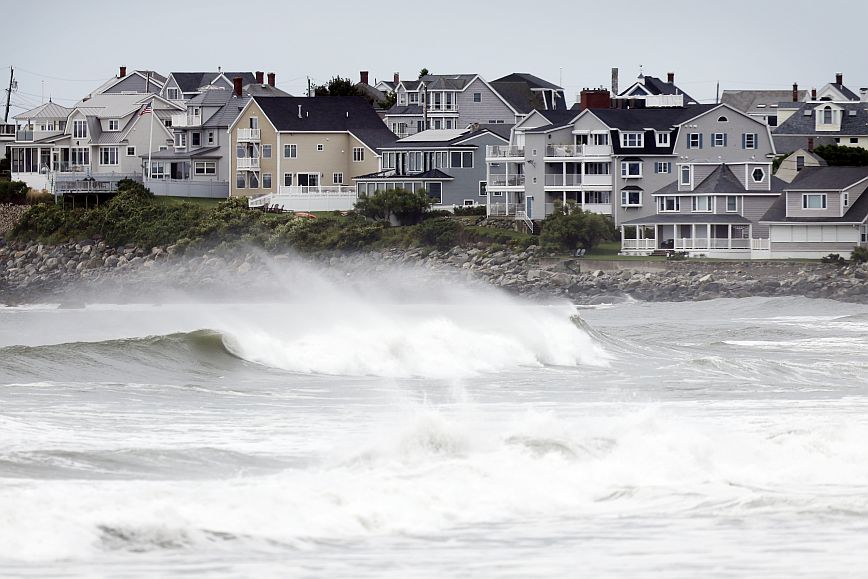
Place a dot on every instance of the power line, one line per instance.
(40, 75)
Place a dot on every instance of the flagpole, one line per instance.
(151, 139)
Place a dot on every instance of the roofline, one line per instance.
(489, 131)
(735, 110)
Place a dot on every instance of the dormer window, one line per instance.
(173, 94)
(814, 201)
(685, 176)
(633, 140)
(827, 116)
(662, 139)
(758, 175)
(114, 125)
(414, 98)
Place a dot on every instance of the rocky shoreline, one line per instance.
(37, 273)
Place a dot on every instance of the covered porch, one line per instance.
(712, 235)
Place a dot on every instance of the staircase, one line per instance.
(521, 216)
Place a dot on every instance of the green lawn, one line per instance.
(203, 201)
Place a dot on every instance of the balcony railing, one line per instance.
(443, 108)
(24, 136)
(561, 180)
(639, 244)
(248, 163)
(712, 243)
(505, 181)
(248, 134)
(504, 151)
(320, 190)
(597, 180)
(504, 209)
(182, 120)
(576, 151)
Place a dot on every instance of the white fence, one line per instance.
(315, 199)
(188, 188)
(639, 244)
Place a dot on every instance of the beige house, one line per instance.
(296, 146)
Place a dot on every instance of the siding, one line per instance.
(491, 107)
(737, 124)
(833, 205)
(753, 208)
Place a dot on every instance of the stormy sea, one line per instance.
(371, 429)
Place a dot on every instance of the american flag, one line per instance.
(148, 109)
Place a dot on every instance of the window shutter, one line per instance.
(700, 140)
(725, 135)
(744, 140)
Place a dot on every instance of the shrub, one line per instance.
(442, 233)
(833, 258)
(859, 254)
(567, 231)
(470, 210)
(13, 192)
(406, 206)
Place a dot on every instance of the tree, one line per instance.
(573, 228)
(423, 72)
(405, 206)
(389, 100)
(837, 155)
(337, 86)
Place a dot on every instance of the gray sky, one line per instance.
(64, 50)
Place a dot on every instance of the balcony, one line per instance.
(7, 130)
(504, 152)
(505, 181)
(597, 180)
(442, 108)
(561, 180)
(577, 151)
(24, 136)
(248, 164)
(248, 135)
(182, 120)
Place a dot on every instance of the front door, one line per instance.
(528, 206)
(308, 179)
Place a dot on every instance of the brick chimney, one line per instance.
(598, 98)
(670, 77)
(810, 144)
(260, 77)
(397, 78)
(795, 92)
(839, 78)
(237, 84)
(363, 77)
(813, 94)
(122, 72)
(271, 78)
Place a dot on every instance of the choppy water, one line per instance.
(337, 434)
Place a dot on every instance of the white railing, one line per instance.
(443, 108)
(712, 243)
(561, 180)
(597, 180)
(182, 120)
(327, 190)
(602, 208)
(574, 151)
(248, 134)
(262, 200)
(502, 209)
(521, 215)
(505, 181)
(248, 163)
(639, 244)
(759, 244)
(504, 151)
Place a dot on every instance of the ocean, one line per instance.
(369, 429)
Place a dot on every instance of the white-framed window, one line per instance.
(287, 179)
(254, 122)
(497, 194)
(694, 140)
(210, 137)
(814, 201)
(632, 139)
(108, 155)
(718, 139)
(462, 159)
(205, 168)
(358, 154)
(80, 156)
(253, 180)
(173, 94)
(483, 189)
(685, 175)
(662, 167)
(79, 129)
(167, 123)
(413, 98)
(854, 140)
(114, 125)
(320, 147)
(748, 141)
(196, 139)
(662, 139)
(290, 151)
(702, 204)
(846, 198)
(266, 151)
(477, 97)
(180, 140)
(731, 204)
(131, 151)
(196, 112)
(631, 169)
(435, 191)
(266, 180)
(601, 139)
(158, 170)
(338, 178)
(631, 198)
(469, 202)
(723, 119)
(598, 168)
(828, 115)
(240, 180)
(670, 204)
(758, 175)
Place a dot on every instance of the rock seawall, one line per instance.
(34, 273)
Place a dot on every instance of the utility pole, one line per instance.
(8, 94)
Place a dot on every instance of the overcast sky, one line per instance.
(64, 50)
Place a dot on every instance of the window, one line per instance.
(469, 202)
(414, 98)
(253, 181)
(731, 203)
(814, 201)
(694, 140)
(748, 141)
(290, 151)
(79, 129)
(477, 97)
(131, 151)
(462, 159)
(287, 179)
(435, 191)
(854, 140)
(631, 169)
(800, 163)
(631, 198)
(686, 175)
(205, 168)
(173, 94)
(338, 178)
(114, 125)
(702, 204)
(240, 151)
(758, 175)
(180, 140)
(632, 140)
(195, 139)
(358, 154)
(210, 137)
(320, 147)
(670, 204)
(80, 156)
(846, 198)
(266, 180)
(266, 151)
(598, 169)
(158, 171)
(601, 139)
(662, 167)
(108, 155)
(167, 123)
(718, 139)
(483, 189)
(497, 194)
(827, 116)
(662, 139)
(240, 180)
(254, 122)
(726, 120)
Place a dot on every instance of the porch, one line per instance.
(712, 235)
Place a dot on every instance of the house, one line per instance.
(387, 86)
(442, 101)
(183, 86)
(837, 92)
(100, 138)
(374, 95)
(824, 210)
(821, 122)
(447, 163)
(653, 91)
(198, 164)
(303, 153)
(138, 81)
(793, 164)
(526, 92)
(712, 209)
(762, 104)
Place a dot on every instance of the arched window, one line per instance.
(722, 120)
(827, 115)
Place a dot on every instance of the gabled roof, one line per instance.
(447, 81)
(327, 114)
(155, 77)
(391, 174)
(502, 130)
(655, 86)
(227, 114)
(526, 92)
(722, 181)
(828, 178)
(265, 90)
(110, 105)
(49, 110)
(799, 124)
(845, 92)
(216, 97)
(749, 101)
(660, 119)
(528, 79)
(192, 81)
